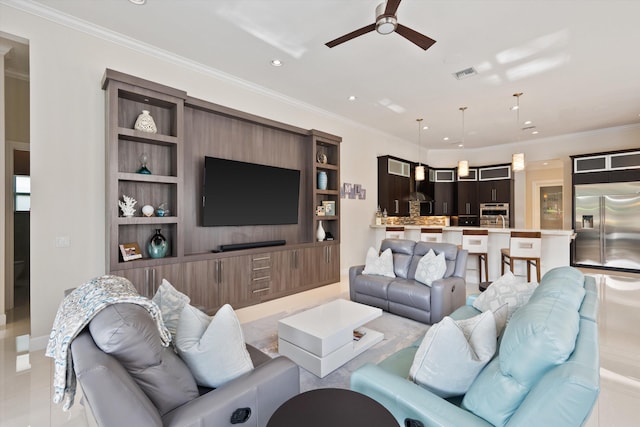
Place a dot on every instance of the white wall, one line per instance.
(67, 149)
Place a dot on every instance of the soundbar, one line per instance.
(249, 245)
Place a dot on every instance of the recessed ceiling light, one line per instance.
(276, 63)
(461, 145)
(528, 122)
(545, 164)
(535, 132)
(425, 127)
(446, 138)
(352, 98)
(138, 2)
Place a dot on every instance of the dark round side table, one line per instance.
(333, 407)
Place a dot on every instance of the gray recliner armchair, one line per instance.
(118, 392)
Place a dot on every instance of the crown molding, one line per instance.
(55, 16)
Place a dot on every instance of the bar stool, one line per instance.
(476, 242)
(431, 235)
(394, 233)
(523, 246)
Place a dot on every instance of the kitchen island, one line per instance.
(555, 247)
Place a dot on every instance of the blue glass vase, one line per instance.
(158, 245)
(322, 180)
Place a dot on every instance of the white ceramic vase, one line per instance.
(320, 234)
(145, 123)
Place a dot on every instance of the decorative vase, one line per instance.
(145, 123)
(158, 245)
(144, 158)
(322, 180)
(320, 234)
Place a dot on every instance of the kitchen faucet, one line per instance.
(502, 218)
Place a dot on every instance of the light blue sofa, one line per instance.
(529, 382)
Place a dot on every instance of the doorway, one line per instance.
(16, 191)
(548, 209)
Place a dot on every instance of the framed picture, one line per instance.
(130, 251)
(329, 207)
(362, 195)
(320, 210)
(357, 188)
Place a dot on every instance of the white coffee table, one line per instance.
(321, 339)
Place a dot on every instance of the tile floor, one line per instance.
(25, 376)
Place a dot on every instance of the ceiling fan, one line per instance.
(387, 23)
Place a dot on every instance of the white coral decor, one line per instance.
(128, 205)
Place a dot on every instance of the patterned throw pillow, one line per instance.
(171, 302)
(431, 267)
(453, 353)
(379, 265)
(509, 290)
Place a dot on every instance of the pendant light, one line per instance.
(517, 159)
(463, 165)
(420, 170)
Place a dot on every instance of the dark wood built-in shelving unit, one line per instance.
(188, 130)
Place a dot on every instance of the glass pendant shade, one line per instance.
(463, 168)
(420, 173)
(517, 162)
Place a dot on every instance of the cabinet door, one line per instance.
(201, 285)
(399, 197)
(286, 272)
(147, 280)
(322, 264)
(503, 190)
(494, 191)
(393, 189)
(140, 279)
(468, 198)
(443, 196)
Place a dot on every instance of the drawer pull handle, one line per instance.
(255, 291)
(261, 268)
(262, 278)
(261, 258)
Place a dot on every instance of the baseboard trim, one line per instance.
(38, 343)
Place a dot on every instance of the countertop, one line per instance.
(496, 230)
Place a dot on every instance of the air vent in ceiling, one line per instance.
(467, 72)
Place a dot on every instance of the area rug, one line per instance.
(398, 333)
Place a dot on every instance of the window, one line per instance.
(22, 193)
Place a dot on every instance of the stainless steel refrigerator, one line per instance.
(607, 225)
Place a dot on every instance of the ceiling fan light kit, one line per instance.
(386, 23)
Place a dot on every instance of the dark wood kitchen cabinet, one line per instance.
(467, 197)
(444, 201)
(495, 191)
(394, 185)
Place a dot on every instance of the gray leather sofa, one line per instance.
(140, 382)
(403, 295)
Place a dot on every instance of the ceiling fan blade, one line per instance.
(351, 35)
(392, 7)
(415, 37)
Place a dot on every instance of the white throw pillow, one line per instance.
(507, 289)
(431, 267)
(171, 302)
(500, 314)
(379, 265)
(212, 347)
(453, 353)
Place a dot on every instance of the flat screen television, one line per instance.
(238, 193)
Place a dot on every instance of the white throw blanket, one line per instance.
(75, 312)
